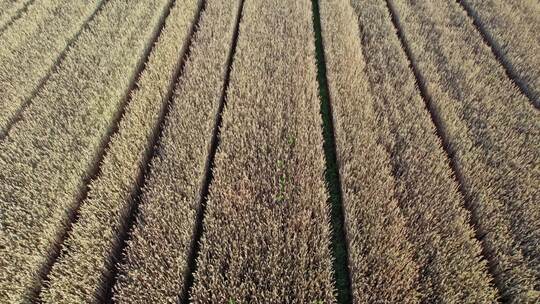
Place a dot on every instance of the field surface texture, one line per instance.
(270, 151)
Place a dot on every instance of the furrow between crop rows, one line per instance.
(85, 269)
(473, 221)
(51, 153)
(173, 196)
(512, 30)
(209, 167)
(267, 224)
(33, 49)
(380, 256)
(342, 276)
(492, 134)
(270, 151)
(119, 254)
(449, 266)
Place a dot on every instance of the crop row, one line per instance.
(211, 185)
(49, 154)
(392, 161)
(491, 131)
(31, 48)
(156, 265)
(513, 28)
(375, 228)
(266, 229)
(9, 9)
(85, 265)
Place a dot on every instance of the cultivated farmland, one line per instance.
(512, 28)
(34, 45)
(10, 10)
(269, 151)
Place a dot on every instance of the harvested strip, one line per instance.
(31, 48)
(446, 251)
(492, 132)
(380, 256)
(87, 257)
(513, 28)
(157, 257)
(266, 232)
(48, 155)
(9, 9)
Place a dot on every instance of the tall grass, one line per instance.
(85, 265)
(492, 133)
(266, 230)
(51, 151)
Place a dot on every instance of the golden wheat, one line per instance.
(48, 154)
(9, 9)
(514, 30)
(492, 131)
(32, 45)
(86, 260)
(266, 232)
(376, 232)
(161, 238)
(445, 248)
(169, 151)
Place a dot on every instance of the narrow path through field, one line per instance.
(17, 115)
(339, 243)
(94, 172)
(499, 54)
(486, 252)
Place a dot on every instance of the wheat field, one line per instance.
(269, 151)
